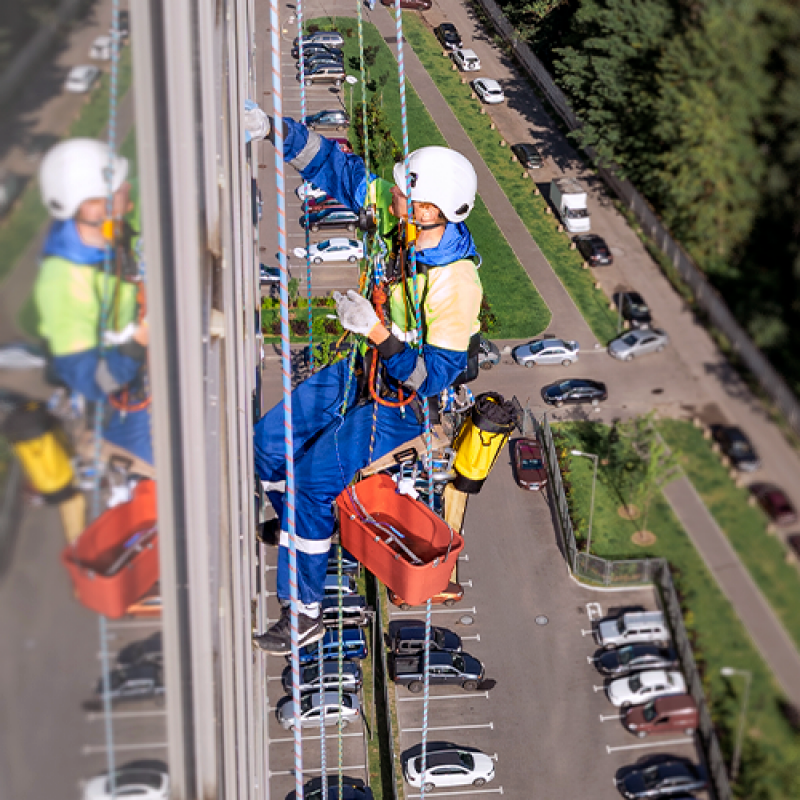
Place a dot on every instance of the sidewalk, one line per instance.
(758, 618)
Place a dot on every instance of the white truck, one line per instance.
(569, 199)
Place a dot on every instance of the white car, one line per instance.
(338, 249)
(307, 191)
(101, 48)
(81, 79)
(546, 351)
(449, 766)
(316, 705)
(466, 60)
(638, 342)
(489, 90)
(138, 783)
(643, 686)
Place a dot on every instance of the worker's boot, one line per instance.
(278, 638)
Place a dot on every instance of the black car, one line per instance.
(350, 564)
(669, 777)
(574, 390)
(142, 681)
(313, 48)
(528, 155)
(448, 35)
(635, 657)
(149, 649)
(353, 608)
(734, 443)
(320, 59)
(334, 118)
(352, 789)
(269, 276)
(410, 640)
(594, 249)
(331, 218)
(633, 308)
(350, 677)
(324, 73)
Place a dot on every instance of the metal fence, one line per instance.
(706, 297)
(631, 573)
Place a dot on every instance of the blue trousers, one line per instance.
(328, 451)
(131, 430)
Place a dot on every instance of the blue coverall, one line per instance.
(329, 449)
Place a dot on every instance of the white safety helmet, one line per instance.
(440, 176)
(76, 170)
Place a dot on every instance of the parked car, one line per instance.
(528, 155)
(307, 191)
(354, 645)
(314, 63)
(320, 202)
(546, 351)
(100, 49)
(460, 669)
(268, 276)
(410, 640)
(527, 462)
(448, 36)
(466, 60)
(333, 250)
(142, 681)
(140, 783)
(668, 777)
(344, 144)
(448, 765)
(734, 443)
(349, 678)
(352, 789)
(575, 390)
(411, 5)
(350, 564)
(10, 187)
(633, 308)
(148, 607)
(488, 90)
(80, 79)
(327, 38)
(775, 503)
(594, 249)
(334, 588)
(453, 594)
(643, 686)
(488, 353)
(331, 118)
(354, 610)
(317, 47)
(635, 658)
(635, 627)
(149, 649)
(324, 73)
(123, 24)
(336, 217)
(638, 342)
(677, 712)
(325, 705)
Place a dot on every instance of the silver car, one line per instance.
(638, 342)
(546, 351)
(350, 677)
(316, 705)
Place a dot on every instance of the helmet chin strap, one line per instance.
(431, 226)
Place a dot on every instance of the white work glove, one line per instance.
(256, 123)
(355, 312)
(116, 338)
(406, 486)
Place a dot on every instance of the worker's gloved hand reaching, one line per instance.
(256, 123)
(355, 312)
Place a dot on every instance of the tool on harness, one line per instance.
(481, 439)
(367, 219)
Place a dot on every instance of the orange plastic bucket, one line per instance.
(398, 539)
(114, 562)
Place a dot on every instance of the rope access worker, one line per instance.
(90, 320)
(330, 447)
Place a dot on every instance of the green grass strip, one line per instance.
(771, 750)
(517, 305)
(763, 555)
(28, 215)
(555, 246)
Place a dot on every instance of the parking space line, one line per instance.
(587, 633)
(467, 583)
(290, 772)
(464, 557)
(416, 612)
(333, 737)
(94, 716)
(122, 624)
(590, 659)
(610, 749)
(489, 725)
(89, 750)
(599, 688)
(465, 695)
(609, 717)
(498, 790)
(475, 638)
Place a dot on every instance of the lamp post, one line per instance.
(591, 507)
(729, 672)
(351, 81)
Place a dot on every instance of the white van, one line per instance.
(466, 60)
(633, 627)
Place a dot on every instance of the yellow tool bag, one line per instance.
(481, 439)
(40, 445)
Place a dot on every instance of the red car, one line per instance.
(528, 464)
(775, 503)
(453, 594)
(344, 144)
